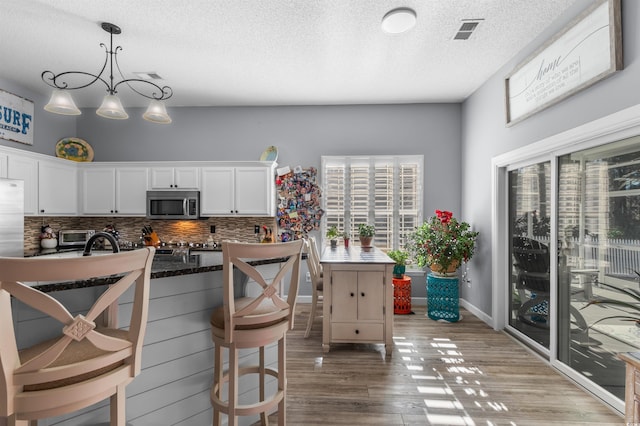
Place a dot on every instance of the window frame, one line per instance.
(343, 201)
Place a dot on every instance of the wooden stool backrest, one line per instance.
(239, 255)
(133, 267)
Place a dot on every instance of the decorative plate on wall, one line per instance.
(270, 154)
(74, 149)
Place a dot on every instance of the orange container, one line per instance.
(402, 295)
(152, 239)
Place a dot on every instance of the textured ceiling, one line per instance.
(272, 52)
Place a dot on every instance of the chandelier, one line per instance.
(61, 101)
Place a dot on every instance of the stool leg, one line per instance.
(233, 384)
(282, 380)
(312, 315)
(217, 380)
(263, 416)
(118, 413)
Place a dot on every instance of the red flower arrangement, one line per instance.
(442, 242)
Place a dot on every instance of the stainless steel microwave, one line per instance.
(173, 204)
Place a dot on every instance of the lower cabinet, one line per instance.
(358, 302)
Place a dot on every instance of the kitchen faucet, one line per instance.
(94, 237)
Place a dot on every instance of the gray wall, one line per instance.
(484, 134)
(302, 135)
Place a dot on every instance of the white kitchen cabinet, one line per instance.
(114, 190)
(174, 177)
(4, 159)
(57, 188)
(245, 190)
(25, 169)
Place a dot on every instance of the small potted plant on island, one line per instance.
(346, 237)
(400, 257)
(333, 234)
(366, 233)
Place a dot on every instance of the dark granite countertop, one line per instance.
(164, 265)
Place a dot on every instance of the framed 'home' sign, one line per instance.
(586, 51)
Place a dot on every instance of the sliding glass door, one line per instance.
(599, 260)
(529, 236)
(573, 290)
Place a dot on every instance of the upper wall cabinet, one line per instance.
(174, 177)
(57, 188)
(4, 164)
(110, 190)
(26, 170)
(243, 190)
(50, 184)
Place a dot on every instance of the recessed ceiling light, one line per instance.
(399, 20)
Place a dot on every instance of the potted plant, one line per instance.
(442, 243)
(346, 237)
(400, 257)
(333, 234)
(366, 233)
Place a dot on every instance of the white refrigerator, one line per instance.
(11, 218)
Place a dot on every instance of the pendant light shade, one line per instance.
(112, 108)
(157, 113)
(61, 102)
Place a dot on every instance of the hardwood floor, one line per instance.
(439, 374)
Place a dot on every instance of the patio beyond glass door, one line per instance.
(529, 231)
(599, 260)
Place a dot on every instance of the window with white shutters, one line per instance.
(385, 191)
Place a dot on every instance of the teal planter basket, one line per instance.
(443, 298)
(399, 270)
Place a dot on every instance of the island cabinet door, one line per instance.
(371, 296)
(344, 296)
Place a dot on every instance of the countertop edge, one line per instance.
(72, 285)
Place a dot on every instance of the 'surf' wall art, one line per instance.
(299, 209)
(16, 118)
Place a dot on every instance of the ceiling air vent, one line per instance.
(466, 29)
(150, 75)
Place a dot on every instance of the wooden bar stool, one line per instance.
(317, 285)
(91, 359)
(253, 322)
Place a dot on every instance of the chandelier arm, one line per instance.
(166, 91)
(52, 77)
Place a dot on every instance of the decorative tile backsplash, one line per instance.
(174, 231)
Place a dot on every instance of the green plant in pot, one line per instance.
(333, 234)
(442, 243)
(346, 237)
(400, 257)
(366, 233)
